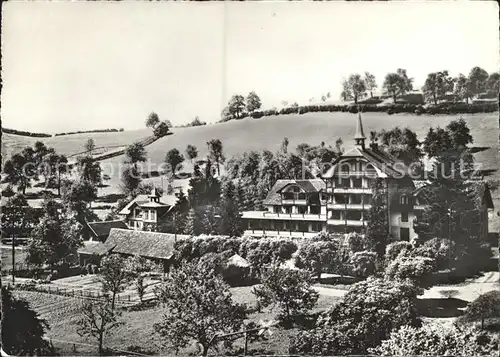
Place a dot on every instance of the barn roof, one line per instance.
(102, 229)
(143, 243)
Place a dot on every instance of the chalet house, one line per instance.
(99, 231)
(145, 212)
(295, 208)
(341, 199)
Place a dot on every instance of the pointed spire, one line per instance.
(359, 137)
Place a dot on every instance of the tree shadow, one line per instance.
(435, 307)
(475, 149)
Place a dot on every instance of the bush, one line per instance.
(161, 129)
(442, 250)
(393, 250)
(25, 133)
(90, 131)
(437, 340)
(363, 263)
(417, 269)
(368, 313)
(485, 306)
(358, 242)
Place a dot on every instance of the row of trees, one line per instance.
(238, 104)
(437, 85)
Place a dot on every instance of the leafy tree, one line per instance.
(436, 142)
(236, 106)
(152, 120)
(289, 289)
(97, 320)
(225, 114)
(253, 102)
(371, 83)
(462, 89)
(478, 78)
(161, 129)
(434, 340)
(215, 152)
(437, 85)
(403, 144)
(391, 85)
(230, 222)
(377, 230)
(114, 276)
(89, 146)
(364, 263)
(358, 242)
(346, 93)
(19, 170)
(357, 86)
(55, 238)
(459, 134)
(397, 83)
(77, 196)
(368, 313)
(198, 306)
(55, 165)
(317, 256)
(89, 169)
(130, 181)
(18, 218)
(174, 160)
(191, 152)
(8, 192)
(169, 123)
(493, 83)
(22, 329)
(485, 306)
(135, 153)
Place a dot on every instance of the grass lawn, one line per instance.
(62, 314)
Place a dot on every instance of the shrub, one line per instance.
(437, 340)
(363, 263)
(393, 250)
(485, 306)
(317, 256)
(417, 269)
(442, 250)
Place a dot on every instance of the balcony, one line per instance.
(284, 216)
(419, 207)
(343, 206)
(355, 173)
(349, 190)
(280, 234)
(342, 222)
(294, 202)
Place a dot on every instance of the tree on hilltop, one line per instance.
(253, 102)
(191, 152)
(437, 85)
(236, 105)
(174, 159)
(152, 120)
(370, 82)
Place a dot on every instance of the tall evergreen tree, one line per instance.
(230, 221)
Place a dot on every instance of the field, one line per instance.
(239, 136)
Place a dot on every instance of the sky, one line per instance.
(93, 65)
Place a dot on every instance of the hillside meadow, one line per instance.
(248, 134)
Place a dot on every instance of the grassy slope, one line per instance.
(268, 132)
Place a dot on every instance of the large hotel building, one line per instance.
(339, 201)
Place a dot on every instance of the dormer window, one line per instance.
(403, 199)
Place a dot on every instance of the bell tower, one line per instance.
(359, 137)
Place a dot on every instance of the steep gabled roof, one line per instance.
(274, 197)
(101, 229)
(144, 201)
